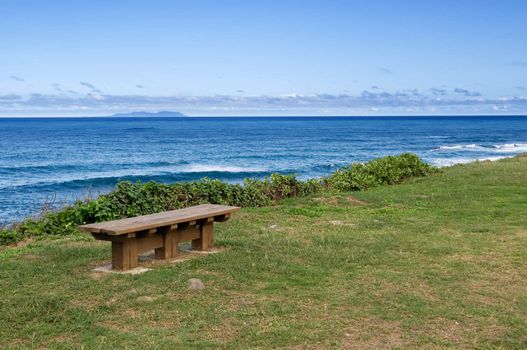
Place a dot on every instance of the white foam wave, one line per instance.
(204, 168)
(511, 147)
(442, 162)
(472, 146)
(500, 148)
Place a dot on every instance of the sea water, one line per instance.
(53, 161)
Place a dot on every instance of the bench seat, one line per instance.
(161, 232)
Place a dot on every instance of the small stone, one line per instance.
(195, 284)
(273, 227)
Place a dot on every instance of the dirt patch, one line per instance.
(111, 301)
(91, 304)
(333, 201)
(340, 223)
(29, 257)
(373, 334)
(23, 243)
(236, 300)
(355, 201)
(17, 245)
(459, 334)
(17, 342)
(63, 338)
(481, 258)
(98, 276)
(416, 286)
(147, 261)
(339, 201)
(281, 229)
(223, 333)
(328, 200)
(421, 196)
(116, 326)
(146, 299)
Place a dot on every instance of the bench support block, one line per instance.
(124, 254)
(169, 245)
(206, 238)
(126, 249)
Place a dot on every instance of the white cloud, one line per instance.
(376, 101)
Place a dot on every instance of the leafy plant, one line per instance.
(381, 171)
(133, 199)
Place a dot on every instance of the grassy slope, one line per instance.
(435, 262)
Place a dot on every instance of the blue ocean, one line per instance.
(49, 162)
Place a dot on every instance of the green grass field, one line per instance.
(436, 262)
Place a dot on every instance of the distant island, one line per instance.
(147, 114)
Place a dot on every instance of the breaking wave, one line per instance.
(502, 148)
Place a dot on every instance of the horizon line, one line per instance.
(264, 116)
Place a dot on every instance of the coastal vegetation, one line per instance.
(133, 199)
(433, 262)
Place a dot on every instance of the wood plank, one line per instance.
(189, 234)
(168, 248)
(124, 254)
(105, 237)
(134, 252)
(147, 243)
(206, 238)
(207, 235)
(146, 222)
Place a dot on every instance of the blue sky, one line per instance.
(263, 57)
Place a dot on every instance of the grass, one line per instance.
(436, 262)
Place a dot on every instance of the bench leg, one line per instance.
(206, 240)
(169, 248)
(124, 254)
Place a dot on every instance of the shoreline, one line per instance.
(132, 199)
(89, 195)
(263, 192)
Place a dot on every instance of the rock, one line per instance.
(195, 284)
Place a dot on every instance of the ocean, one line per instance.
(49, 162)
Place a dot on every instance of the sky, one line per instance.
(434, 57)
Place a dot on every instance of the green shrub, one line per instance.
(9, 236)
(133, 199)
(381, 171)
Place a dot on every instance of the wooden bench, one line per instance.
(162, 232)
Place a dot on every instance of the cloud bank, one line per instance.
(466, 92)
(368, 102)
